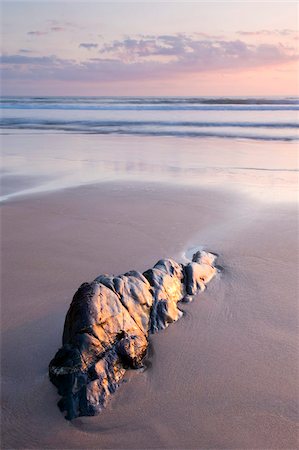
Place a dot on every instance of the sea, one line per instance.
(267, 118)
(50, 143)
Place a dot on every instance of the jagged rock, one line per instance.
(199, 272)
(107, 327)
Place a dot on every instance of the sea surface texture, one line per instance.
(267, 118)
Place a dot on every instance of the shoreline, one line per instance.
(44, 163)
(227, 388)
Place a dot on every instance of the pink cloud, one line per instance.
(284, 32)
(199, 54)
(140, 59)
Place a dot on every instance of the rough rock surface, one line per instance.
(107, 327)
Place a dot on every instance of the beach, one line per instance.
(149, 225)
(225, 375)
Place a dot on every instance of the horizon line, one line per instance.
(151, 96)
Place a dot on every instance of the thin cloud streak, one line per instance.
(54, 29)
(88, 45)
(57, 29)
(285, 32)
(25, 50)
(37, 33)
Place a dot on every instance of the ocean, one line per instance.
(267, 118)
(51, 143)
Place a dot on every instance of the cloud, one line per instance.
(201, 54)
(209, 36)
(37, 33)
(132, 49)
(28, 60)
(25, 50)
(149, 58)
(88, 45)
(256, 33)
(284, 32)
(57, 29)
(53, 29)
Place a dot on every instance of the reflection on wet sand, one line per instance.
(62, 162)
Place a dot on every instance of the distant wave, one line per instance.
(243, 131)
(73, 124)
(152, 107)
(266, 118)
(155, 100)
(152, 103)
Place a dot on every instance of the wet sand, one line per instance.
(224, 376)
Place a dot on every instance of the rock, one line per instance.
(199, 272)
(107, 327)
(166, 280)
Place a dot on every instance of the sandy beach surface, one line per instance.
(224, 376)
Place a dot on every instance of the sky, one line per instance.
(149, 48)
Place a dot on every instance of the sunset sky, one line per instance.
(149, 48)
